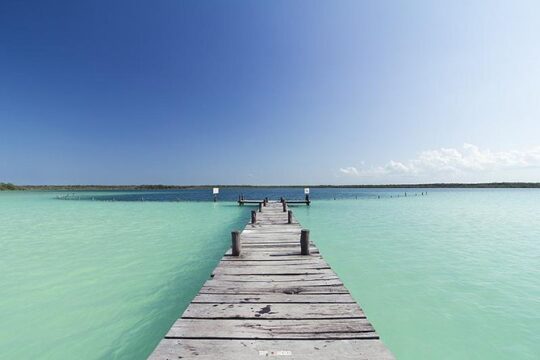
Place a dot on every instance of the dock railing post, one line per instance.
(236, 246)
(253, 216)
(284, 205)
(304, 242)
(260, 207)
(289, 217)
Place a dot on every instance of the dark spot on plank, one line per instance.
(292, 291)
(264, 310)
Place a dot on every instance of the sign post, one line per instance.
(215, 192)
(306, 192)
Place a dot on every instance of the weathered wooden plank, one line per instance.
(266, 298)
(273, 311)
(273, 270)
(273, 246)
(344, 349)
(260, 257)
(264, 254)
(250, 290)
(272, 329)
(270, 278)
(314, 264)
(273, 230)
(273, 283)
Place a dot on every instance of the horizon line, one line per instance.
(516, 184)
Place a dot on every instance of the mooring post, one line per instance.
(253, 216)
(289, 217)
(260, 207)
(284, 205)
(304, 242)
(235, 243)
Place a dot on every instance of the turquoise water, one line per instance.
(101, 280)
(451, 275)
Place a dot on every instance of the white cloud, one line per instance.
(351, 170)
(449, 164)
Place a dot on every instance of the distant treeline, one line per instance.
(447, 185)
(9, 186)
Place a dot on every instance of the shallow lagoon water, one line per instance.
(101, 280)
(454, 274)
(451, 275)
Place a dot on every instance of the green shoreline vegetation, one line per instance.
(10, 186)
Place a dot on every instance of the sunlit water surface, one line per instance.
(454, 274)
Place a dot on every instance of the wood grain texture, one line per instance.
(273, 298)
(203, 349)
(272, 329)
(273, 311)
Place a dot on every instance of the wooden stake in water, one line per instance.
(304, 242)
(236, 246)
(253, 216)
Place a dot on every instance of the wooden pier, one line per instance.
(243, 201)
(267, 299)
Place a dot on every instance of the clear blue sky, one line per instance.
(269, 92)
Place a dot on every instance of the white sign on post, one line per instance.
(215, 191)
(306, 191)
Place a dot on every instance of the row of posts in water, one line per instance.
(398, 195)
(241, 198)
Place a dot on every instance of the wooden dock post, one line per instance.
(253, 216)
(260, 207)
(304, 242)
(272, 300)
(236, 246)
(289, 217)
(284, 205)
